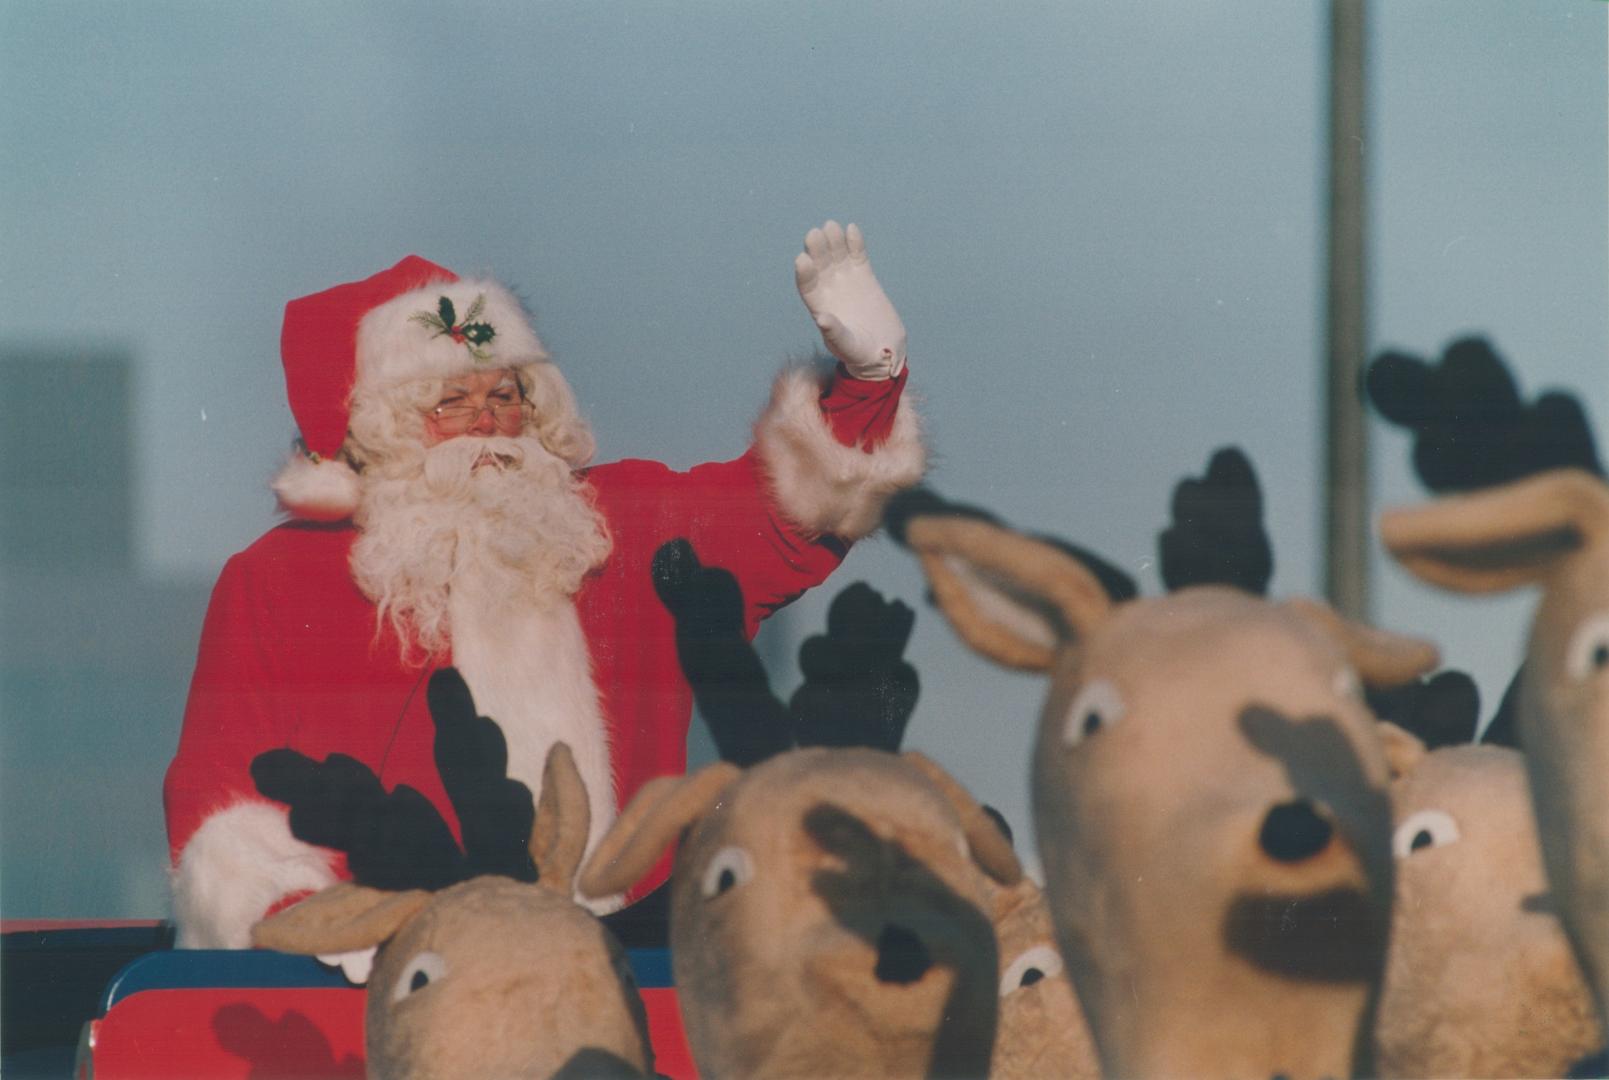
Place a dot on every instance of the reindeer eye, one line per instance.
(1424, 829)
(420, 972)
(1033, 965)
(730, 868)
(1097, 707)
(1589, 648)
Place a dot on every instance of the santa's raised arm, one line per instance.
(442, 511)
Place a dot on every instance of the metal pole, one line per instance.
(1346, 517)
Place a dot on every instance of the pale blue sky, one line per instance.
(1102, 223)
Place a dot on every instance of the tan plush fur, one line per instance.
(793, 883)
(1481, 980)
(490, 977)
(531, 979)
(1177, 733)
(1042, 1030)
(1550, 530)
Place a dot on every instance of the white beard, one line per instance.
(519, 531)
(483, 558)
(530, 671)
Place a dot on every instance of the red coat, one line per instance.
(291, 653)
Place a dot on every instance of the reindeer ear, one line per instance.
(991, 849)
(656, 815)
(1380, 657)
(1012, 598)
(563, 819)
(1403, 750)
(342, 918)
(1501, 538)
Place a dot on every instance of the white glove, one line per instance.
(859, 325)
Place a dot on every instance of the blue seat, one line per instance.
(181, 969)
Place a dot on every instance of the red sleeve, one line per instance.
(861, 412)
(733, 524)
(232, 712)
(727, 510)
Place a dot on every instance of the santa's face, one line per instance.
(476, 403)
(497, 517)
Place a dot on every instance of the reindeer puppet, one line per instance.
(1481, 979)
(828, 906)
(486, 967)
(1209, 799)
(1547, 529)
(1042, 1030)
(826, 913)
(859, 691)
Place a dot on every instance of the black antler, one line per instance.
(729, 683)
(1217, 536)
(1471, 428)
(398, 840)
(393, 840)
(858, 689)
(495, 813)
(1442, 710)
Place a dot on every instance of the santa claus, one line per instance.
(442, 512)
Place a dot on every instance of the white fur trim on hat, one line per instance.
(325, 489)
(405, 337)
(239, 863)
(821, 484)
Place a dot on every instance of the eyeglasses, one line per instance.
(457, 419)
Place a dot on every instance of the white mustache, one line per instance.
(450, 466)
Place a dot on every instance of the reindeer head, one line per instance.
(1481, 980)
(490, 975)
(858, 691)
(828, 914)
(1042, 1030)
(1209, 798)
(1550, 530)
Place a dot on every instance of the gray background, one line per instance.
(1102, 223)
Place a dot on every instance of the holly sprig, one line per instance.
(469, 332)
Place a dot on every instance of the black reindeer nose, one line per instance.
(902, 957)
(1294, 831)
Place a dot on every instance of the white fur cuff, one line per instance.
(821, 484)
(237, 865)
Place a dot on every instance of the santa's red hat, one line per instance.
(416, 320)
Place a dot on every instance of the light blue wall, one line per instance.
(1101, 222)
